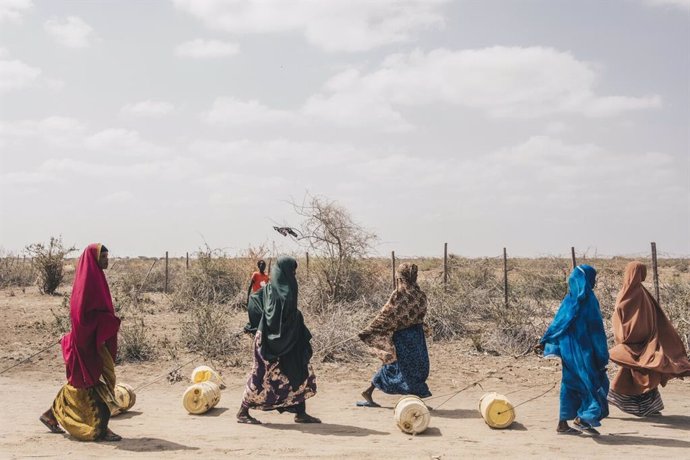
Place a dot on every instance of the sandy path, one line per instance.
(158, 426)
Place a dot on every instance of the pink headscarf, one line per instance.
(93, 322)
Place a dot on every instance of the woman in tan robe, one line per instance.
(648, 348)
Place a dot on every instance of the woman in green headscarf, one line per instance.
(281, 378)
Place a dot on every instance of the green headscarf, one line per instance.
(273, 311)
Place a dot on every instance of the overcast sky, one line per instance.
(530, 124)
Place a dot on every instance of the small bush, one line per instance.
(334, 331)
(135, 344)
(206, 330)
(210, 280)
(15, 271)
(48, 262)
(61, 320)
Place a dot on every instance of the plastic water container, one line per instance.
(412, 415)
(124, 399)
(496, 410)
(206, 374)
(201, 397)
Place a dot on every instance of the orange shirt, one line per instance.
(259, 280)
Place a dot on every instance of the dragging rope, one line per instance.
(553, 385)
(166, 374)
(29, 358)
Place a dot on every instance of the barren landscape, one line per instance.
(153, 343)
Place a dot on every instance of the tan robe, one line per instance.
(648, 348)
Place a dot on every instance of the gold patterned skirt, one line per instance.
(84, 412)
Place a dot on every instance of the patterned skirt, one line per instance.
(408, 374)
(638, 405)
(84, 412)
(269, 389)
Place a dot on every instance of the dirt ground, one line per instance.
(159, 427)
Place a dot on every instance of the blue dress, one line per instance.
(408, 374)
(577, 336)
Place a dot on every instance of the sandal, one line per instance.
(109, 436)
(51, 425)
(367, 404)
(569, 431)
(585, 428)
(306, 418)
(248, 419)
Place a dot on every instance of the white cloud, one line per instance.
(71, 32)
(508, 82)
(148, 108)
(13, 10)
(333, 25)
(206, 49)
(15, 74)
(174, 169)
(684, 4)
(502, 82)
(230, 111)
(118, 142)
(28, 178)
(556, 127)
(121, 197)
(54, 130)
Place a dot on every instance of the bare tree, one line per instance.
(337, 243)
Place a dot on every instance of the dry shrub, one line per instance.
(15, 271)
(62, 323)
(335, 328)
(135, 342)
(206, 329)
(675, 301)
(211, 280)
(48, 262)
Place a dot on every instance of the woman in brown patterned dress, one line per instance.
(396, 336)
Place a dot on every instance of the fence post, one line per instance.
(187, 262)
(393, 260)
(505, 277)
(166, 272)
(307, 254)
(655, 270)
(445, 263)
(572, 256)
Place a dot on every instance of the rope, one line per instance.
(29, 358)
(529, 400)
(323, 352)
(475, 383)
(166, 374)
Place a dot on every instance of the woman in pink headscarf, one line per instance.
(89, 350)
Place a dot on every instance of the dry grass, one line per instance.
(471, 305)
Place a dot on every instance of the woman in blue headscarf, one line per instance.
(577, 336)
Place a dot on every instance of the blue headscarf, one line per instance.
(577, 336)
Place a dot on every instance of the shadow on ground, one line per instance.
(325, 429)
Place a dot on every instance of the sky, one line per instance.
(534, 125)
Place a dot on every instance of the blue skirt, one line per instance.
(407, 375)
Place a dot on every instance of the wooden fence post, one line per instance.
(307, 254)
(572, 256)
(166, 272)
(187, 262)
(393, 260)
(445, 263)
(655, 270)
(505, 277)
